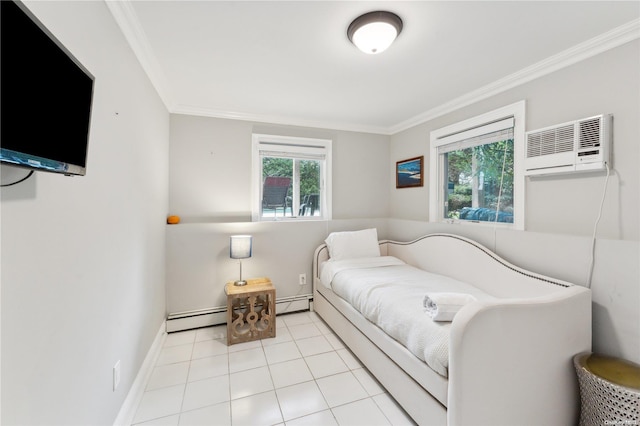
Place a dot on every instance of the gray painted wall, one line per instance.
(210, 189)
(198, 263)
(561, 211)
(606, 83)
(210, 183)
(210, 169)
(83, 257)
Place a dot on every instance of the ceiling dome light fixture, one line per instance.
(374, 32)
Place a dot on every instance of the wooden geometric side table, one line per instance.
(251, 310)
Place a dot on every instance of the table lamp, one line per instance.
(240, 248)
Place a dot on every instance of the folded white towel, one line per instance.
(445, 306)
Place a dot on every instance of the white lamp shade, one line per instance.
(240, 246)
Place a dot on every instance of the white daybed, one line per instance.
(509, 355)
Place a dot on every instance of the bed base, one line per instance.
(413, 398)
(509, 359)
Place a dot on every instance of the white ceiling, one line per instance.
(291, 62)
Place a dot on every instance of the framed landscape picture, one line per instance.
(409, 173)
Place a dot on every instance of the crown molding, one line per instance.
(127, 19)
(606, 41)
(276, 119)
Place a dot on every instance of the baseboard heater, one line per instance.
(214, 316)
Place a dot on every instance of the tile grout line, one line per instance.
(269, 365)
(229, 374)
(275, 392)
(186, 382)
(314, 379)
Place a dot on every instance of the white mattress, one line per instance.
(390, 294)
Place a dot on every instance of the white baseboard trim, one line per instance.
(131, 402)
(215, 316)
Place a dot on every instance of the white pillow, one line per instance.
(353, 244)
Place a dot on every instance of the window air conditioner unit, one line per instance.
(576, 146)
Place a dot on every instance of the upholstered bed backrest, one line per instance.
(464, 260)
(320, 256)
(468, 261)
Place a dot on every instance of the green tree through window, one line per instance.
(478, 178)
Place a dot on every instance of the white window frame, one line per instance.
(454, 134)
(293, 147)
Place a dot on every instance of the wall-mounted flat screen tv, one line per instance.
(46, 97)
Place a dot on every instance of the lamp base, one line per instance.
(240, 283)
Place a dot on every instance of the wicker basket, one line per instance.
(609, 390)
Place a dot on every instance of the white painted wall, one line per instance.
(561, 211)
(83, 258)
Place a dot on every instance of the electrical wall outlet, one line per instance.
(116, 375)
(302, 279)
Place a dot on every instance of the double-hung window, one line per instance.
(291, 178)
(476, 169)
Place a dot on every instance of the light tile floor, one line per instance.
(303, 376)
